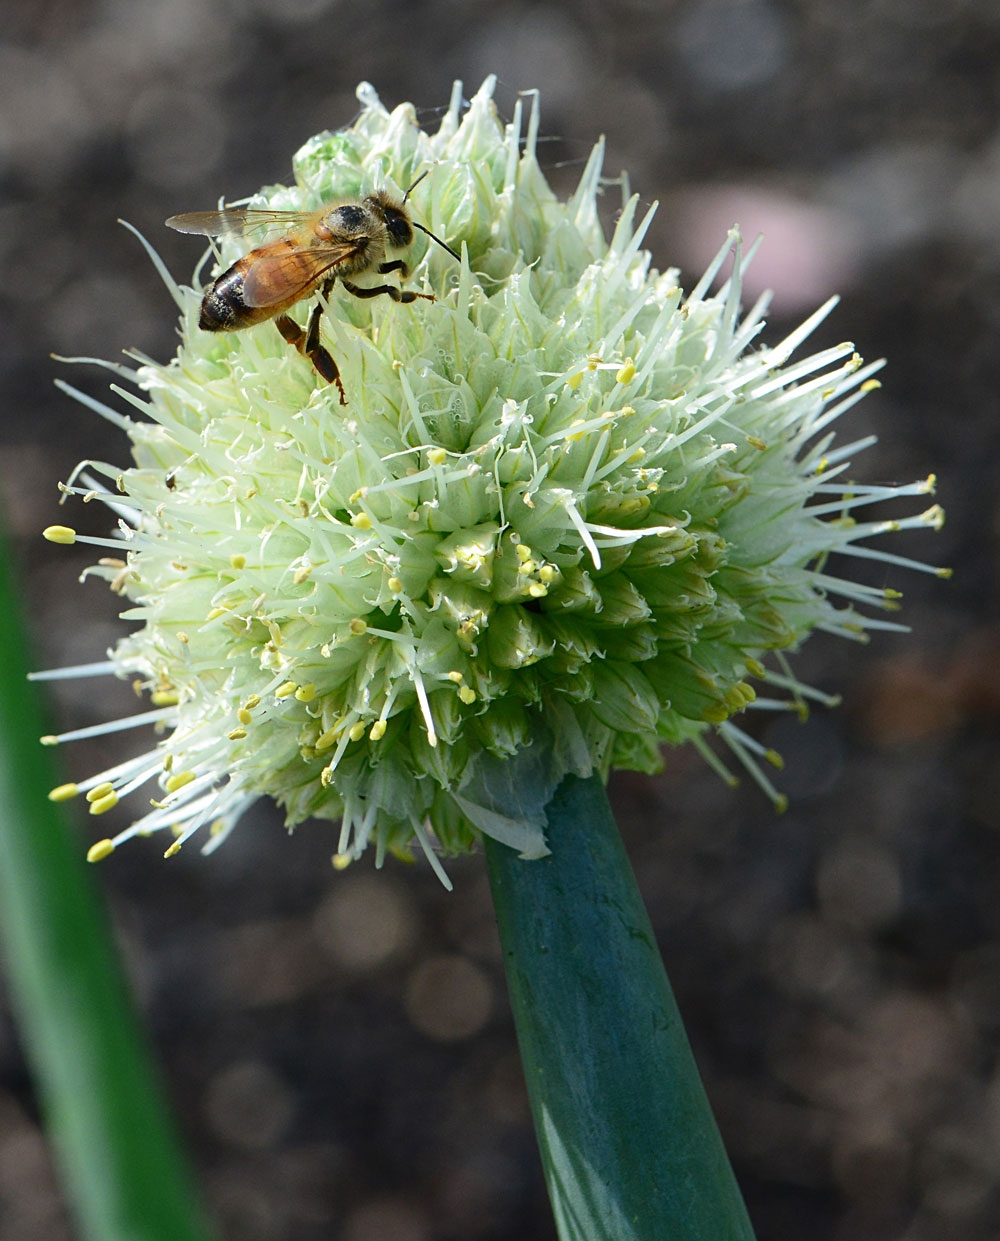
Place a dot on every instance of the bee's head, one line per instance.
(398, 224)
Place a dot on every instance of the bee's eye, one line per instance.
(399, 229)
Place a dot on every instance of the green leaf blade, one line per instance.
(125, 1177)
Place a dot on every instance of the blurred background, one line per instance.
(339, 1047)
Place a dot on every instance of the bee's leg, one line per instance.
(308, 344)
(321, 357)
(394, 265)
(390, 290)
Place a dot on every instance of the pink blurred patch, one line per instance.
(808, 252)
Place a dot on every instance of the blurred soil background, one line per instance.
(338, 1046)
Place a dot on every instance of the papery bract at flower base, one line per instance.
(566, 515)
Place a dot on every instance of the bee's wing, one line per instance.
(236, 220)
(278, 277)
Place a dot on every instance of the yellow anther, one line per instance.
(237, 734)
(456, 676)
(756, 668)
(523, 552)
(341, 861)
(286, 690)
(526, 567)
(104, 804)
(716, 713)
(216, 613)
(101, 850)
(178, 780)
(252, 702)
(100, 790)
(573, 381)
(733, 699)
(756, 442)
(216, 826)
(174, 849)
(182, 637)
(377, 731)
(627, 373)
(64, 792)
(437, 456)
(325, 740)
(943, 573)
(305, 693)
(244, 716)
(356, 731)
(361, 521)
(300, 575)
(59, 534)
(467, 694)
(538, 590)
(775, 759)
(164, 698)
(358, 626)
(238, 560)
(548, 573)
(870, 385)
(626, 411)
(637, 453)
(395, 585)
(781, 803)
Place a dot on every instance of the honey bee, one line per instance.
(337, 242)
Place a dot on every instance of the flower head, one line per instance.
(568, 514)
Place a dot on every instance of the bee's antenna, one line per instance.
(414, 185)
(443, 244)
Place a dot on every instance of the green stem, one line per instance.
(629, 1145)
(105, 1114)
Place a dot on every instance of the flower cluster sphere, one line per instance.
(563, 519)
